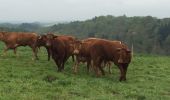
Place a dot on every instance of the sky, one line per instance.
(71, 10)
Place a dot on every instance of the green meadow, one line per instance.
(21, 78)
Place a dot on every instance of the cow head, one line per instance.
(49, 38)
(41, 40)
(124, 55)
(76, 46)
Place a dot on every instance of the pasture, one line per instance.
(21, 78)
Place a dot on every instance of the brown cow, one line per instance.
(68, 40)
(13, 40)
(102, 50)
(65, 38)
(81, 50)
(57, 50)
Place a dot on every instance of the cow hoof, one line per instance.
(122, 79)
(59, 70)
(36, 58)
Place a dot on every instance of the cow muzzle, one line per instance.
(76, 51)
(48, 44)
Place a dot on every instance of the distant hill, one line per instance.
(146, 33)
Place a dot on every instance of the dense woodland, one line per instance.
(147, 34)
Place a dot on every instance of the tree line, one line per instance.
(147, 34)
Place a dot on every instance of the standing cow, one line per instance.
(66, 39)
(59, 48)
(81, 50)
(110, 51)
(13, 40)
(101, 50)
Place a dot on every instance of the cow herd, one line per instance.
(96, 52)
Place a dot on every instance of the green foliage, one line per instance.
(147, 34)
(24, 79)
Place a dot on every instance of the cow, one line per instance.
(81, 50)
(101, 50)
(57, 50)
(13, 40)
(68, 40)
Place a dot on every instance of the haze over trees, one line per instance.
(147, 34)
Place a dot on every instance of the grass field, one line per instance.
(21, 78)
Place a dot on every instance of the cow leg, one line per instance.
(34, 49)
(88, 66)
(5, 50)
(125, 66)
(58, 63)
(62, 65)
(76, 64)
(15, 51)
(109, 65)
(72, 58)
(95, 67)
(109, 69)
(98, 63)
(100, 67)
(49, 53)
(122, 73)
(64, 59)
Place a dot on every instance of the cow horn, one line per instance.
(39, 36)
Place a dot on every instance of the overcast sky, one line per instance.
(69, 10)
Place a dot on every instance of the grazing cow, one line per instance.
(13, 40)
(102, 50)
